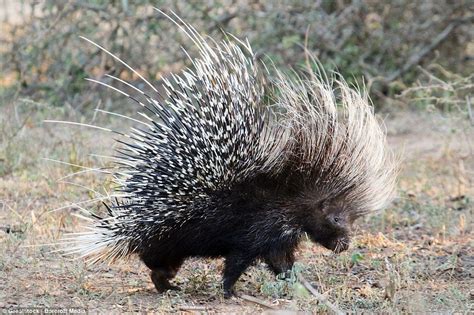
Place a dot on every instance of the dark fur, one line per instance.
(260, 220)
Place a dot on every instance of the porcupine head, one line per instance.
(338, 163)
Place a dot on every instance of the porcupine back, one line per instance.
(209, 133)
(212, 131)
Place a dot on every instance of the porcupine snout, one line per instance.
(340, 244)
(337, 244)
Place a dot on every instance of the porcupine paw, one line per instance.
(172, 287)
(228, 293)
(160, 280)
(163, 287)
(284, 275)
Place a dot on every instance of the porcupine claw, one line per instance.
(229, 293)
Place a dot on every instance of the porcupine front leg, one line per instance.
(235, 265)
(280, 262)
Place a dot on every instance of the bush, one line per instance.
(378, 41)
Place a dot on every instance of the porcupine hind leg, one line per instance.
(161, 276)
(162, 273)
(281, 262)
(235, 265)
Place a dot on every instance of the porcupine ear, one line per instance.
(323, 206)
(329, 206)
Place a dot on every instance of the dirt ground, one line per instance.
(417, 256)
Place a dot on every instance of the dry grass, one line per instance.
(416, 256)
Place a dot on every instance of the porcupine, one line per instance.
(216, 169)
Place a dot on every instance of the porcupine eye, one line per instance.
(334, 219)
(337, 221)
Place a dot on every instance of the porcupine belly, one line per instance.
(241, 239)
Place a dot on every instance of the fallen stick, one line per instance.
(192, 308)
(321, 298)
(257, 301)
(469, 110)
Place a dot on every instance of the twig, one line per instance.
(222, 21)
(469, 110)
(11, 229)
(321, 298)
(88, 6)
(257, 301)
(192, 308)
(418, 56)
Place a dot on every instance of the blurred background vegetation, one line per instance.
(408, 53)
(416, 59)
